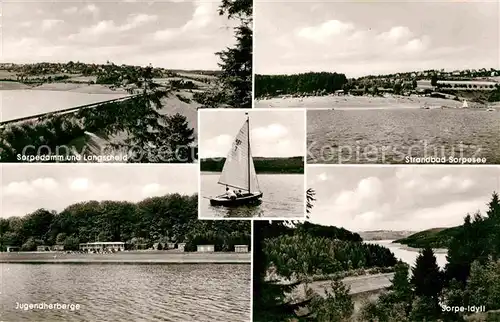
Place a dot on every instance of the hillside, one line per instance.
(385, 234)
(434, 238)
(262, 165)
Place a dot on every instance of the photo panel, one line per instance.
(98, 82)
(379, 238)
(252, 164)
(398, 82)
(79, 239)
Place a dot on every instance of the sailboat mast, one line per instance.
(249, 155)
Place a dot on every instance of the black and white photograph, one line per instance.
(399, 82)
(117, 242)
(252, 164)
(100, 82)
(384, 243)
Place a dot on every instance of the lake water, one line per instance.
(21, 103)
(409, 256)
(283, 197)
(388, 136)
(127, 292)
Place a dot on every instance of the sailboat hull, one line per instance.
(247, 199)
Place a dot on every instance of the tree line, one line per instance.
(301, 84)
(262, 165)
(171, 218)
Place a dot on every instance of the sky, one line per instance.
(27, 187)
(399, 198)
(372, 37)
(273, 133)
(174, 34)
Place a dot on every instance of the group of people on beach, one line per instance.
(233, 194)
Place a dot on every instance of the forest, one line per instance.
(298, 251)
(422, 292)
(170, 218)
(262, 165)
(301, 84)
(432, 238)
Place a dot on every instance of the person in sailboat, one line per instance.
(239, 193)
(230, 194)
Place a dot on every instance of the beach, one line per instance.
(350, 101)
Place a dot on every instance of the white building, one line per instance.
(102, 246)
(205, 248)
(241, 248)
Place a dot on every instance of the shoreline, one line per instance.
(153, 257)
(127, 262)
(83, 88)
(257, 172)
(353, 102)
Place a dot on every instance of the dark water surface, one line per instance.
(126, 292)
(388, 136)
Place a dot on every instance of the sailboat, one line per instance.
(465, 105)
(239, 173)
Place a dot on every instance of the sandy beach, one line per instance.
(127, 257)
(348, 102)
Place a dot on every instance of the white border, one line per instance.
(250, 111)
(251, 268)
(253, 54)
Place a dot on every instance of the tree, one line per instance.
(234, 86)
(434, 80)
(310, 193)
(337, 306)
(61, 238)
(401, 287)
(427, 281)
(426, 276)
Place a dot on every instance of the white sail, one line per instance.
(465, 105)
(239, 170)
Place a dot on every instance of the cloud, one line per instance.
(109, 27)
(216, 147)
(203, 15)
(48, 24)
(270, 132)
(70, 10)
(322, 177)
(152, 189)
(79, 184)
(324, 31)
(26, 188)
(133, 35)
(402, 198)
(364, 38)
(91, 8)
